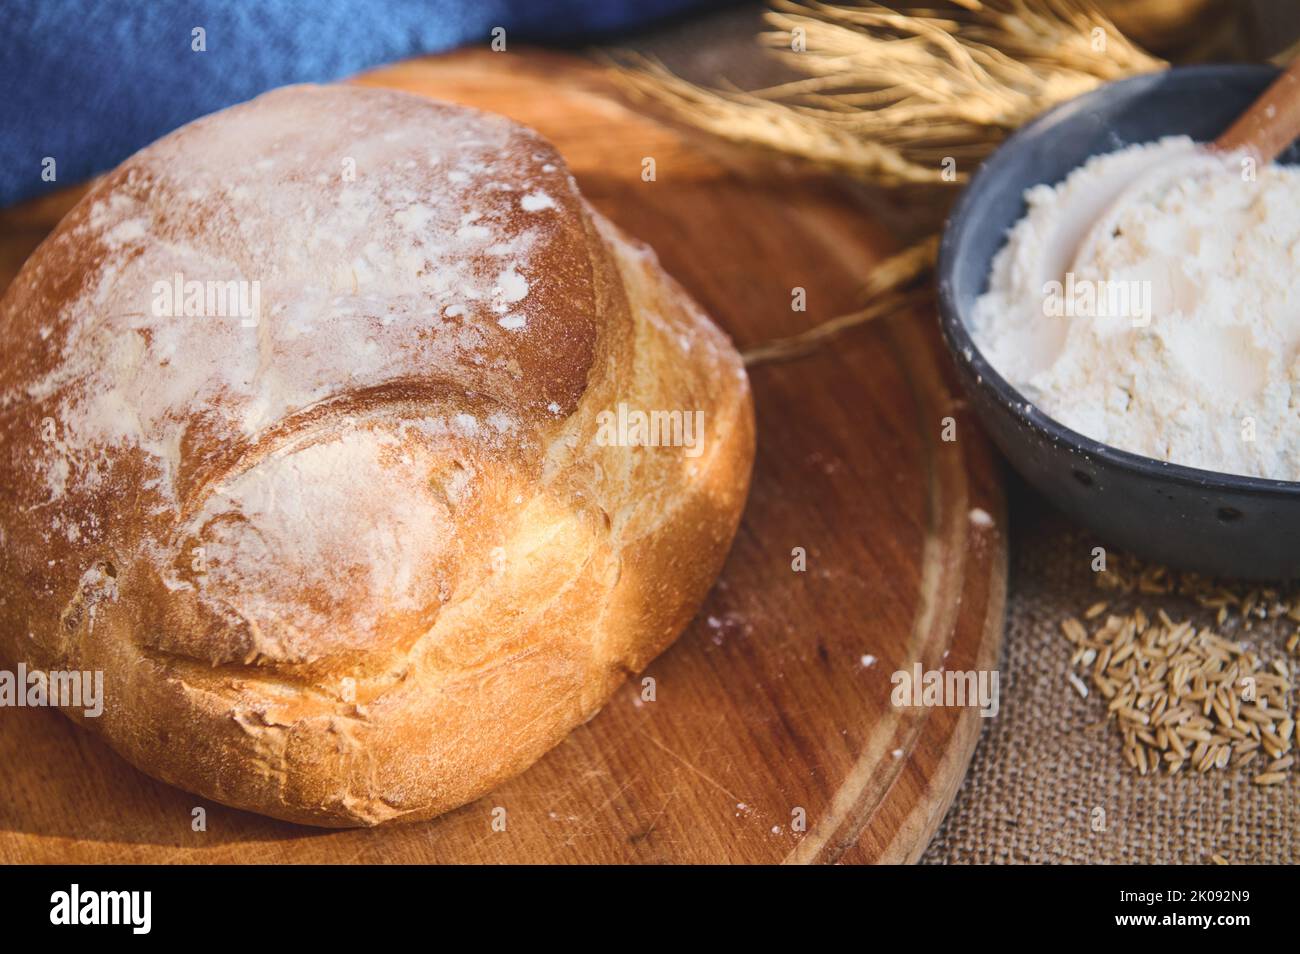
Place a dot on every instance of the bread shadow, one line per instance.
(83, 802)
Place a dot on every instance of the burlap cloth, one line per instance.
(1039, 772)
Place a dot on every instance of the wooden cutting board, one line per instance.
(774, 706)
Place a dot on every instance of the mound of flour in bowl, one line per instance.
(1178, 337)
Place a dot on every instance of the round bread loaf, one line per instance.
(328, 433)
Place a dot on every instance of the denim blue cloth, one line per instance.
(88, 82)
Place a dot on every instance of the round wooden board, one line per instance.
(764, 712)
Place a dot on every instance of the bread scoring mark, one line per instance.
(97, 585)
(416, 261)
(395, 401)
(270, 745)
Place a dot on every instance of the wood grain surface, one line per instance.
(764, 711)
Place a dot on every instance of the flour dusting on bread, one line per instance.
(375, 257)
(352, 552)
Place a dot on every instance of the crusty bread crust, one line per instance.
(368, 558)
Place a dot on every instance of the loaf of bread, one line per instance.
(361, 455)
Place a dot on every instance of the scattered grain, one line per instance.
(1180, 695)
(1078, 684)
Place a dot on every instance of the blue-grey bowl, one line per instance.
(1222, 524)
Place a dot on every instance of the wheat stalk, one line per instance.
(888, 96)
(887, 291)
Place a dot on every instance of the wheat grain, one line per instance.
(1095, 610)
(1078, 684)
(1178, 694)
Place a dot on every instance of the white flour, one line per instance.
(1213, 380)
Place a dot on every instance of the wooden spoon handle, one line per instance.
(1271, 123)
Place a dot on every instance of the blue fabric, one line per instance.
(88, 82)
